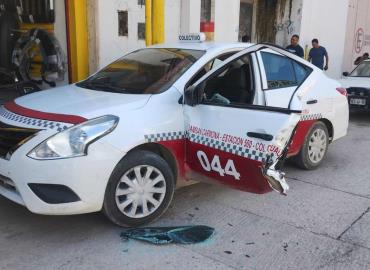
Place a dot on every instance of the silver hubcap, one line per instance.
(317, 146)
(140, 191)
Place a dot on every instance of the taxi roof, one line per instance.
(203, 46)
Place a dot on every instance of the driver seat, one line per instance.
(235, 85)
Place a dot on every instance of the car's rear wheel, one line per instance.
(314, 148)
(140, 189)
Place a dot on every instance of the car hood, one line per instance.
(86, 103)
(355, 82)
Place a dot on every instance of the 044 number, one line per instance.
(215, 165)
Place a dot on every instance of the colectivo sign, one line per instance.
(197, 37)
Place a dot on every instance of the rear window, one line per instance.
(362, 70)
(279, 71)
(301, 72)
(145, 71)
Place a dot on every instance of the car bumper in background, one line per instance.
(357, 102)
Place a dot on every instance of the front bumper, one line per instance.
(86, 176)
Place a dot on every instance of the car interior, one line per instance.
(233, 86)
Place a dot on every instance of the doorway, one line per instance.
(246, 20)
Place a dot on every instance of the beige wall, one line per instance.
(110, 45)
(227, 20)
(60, 31)
(93, 36)
(327, 21)
(286, 27)
(357, 41)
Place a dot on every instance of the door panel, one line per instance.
(280, 80)
(279, 97)
(219, 149)
(231, 141)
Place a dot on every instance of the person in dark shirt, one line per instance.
(361, 58)
(294, 46)
(317, 55)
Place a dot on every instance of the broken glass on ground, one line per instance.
(167, 235)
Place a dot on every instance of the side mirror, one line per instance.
(345, 74)
(193, 95)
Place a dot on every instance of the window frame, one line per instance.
(253, 84)
(80, 83)
(363, 62)
(188, 84)
(284, 57)
(123, 24)
(263, 70)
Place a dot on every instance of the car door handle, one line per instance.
(263, 136)
(313, 101)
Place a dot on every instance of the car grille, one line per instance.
(358, 91)
(7, 183)
(12, 137)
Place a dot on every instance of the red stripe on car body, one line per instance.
(251, 178)
(177, 148)
(65, 118)
(189, 165)
(299, 137)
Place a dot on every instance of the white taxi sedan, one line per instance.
(159, 117)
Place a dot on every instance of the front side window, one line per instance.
(212, 64)
(363, 70)
(279, 71)
(145, 71)
(233, 85)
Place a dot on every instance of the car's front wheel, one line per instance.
(314, 148)
(140, 189)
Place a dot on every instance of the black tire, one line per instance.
(8, 38)
(302, 159)
(137, 158)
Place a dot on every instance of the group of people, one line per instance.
(318, 55)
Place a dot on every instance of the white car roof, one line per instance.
(204, 46)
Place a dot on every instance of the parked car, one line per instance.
(124, 138)
(357, 84)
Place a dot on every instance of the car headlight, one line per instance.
(74, 141)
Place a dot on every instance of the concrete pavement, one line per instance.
(323, 223)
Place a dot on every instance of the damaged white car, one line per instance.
(123, 139)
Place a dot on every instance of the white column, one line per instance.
(326, 21)
(190, 16)
(227, 20)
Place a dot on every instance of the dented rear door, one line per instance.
(238, 147)
(241, 145)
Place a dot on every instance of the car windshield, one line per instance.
(362, 70)
(145, 71)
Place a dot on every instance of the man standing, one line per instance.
(317, 55)
(294, 46)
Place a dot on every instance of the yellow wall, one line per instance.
(154, 20)
(78, 39)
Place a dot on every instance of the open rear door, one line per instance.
(230, 140)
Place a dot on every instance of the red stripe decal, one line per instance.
(299, 137)
(65, 118)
